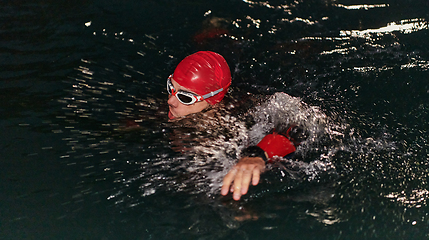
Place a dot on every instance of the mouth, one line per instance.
(170, 115)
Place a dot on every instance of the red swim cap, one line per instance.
(204, 72)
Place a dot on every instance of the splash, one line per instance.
(284, 109)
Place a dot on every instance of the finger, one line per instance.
(247, 176)
(256, 176)
(237, 185)
(227, 180)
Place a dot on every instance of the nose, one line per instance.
(172, 100)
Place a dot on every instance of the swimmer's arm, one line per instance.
(248, 169)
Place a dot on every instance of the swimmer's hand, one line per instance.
(238, 179)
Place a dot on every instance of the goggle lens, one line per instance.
(183, 97)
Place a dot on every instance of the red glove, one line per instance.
(275, 144)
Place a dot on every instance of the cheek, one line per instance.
(198, 107)
(183, 110)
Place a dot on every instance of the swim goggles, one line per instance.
(188, 98)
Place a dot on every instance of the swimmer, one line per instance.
(200, 81)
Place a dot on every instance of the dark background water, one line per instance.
(73, 72)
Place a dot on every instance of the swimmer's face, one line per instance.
(178, 109)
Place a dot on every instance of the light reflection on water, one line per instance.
(119, 134)
(405, 26)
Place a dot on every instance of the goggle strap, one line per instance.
(211, 94)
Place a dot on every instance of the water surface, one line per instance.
(74, 75)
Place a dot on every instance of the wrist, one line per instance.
(254, 151)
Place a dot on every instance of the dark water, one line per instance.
(73, 74)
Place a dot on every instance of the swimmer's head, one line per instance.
(204, 73)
